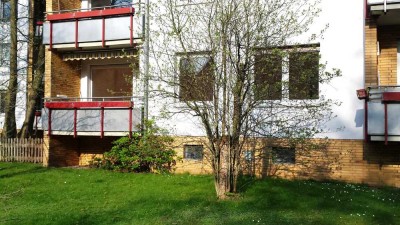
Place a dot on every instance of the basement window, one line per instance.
(283, 155)
(193, 152)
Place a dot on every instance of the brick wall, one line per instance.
(57, 5)
(61, 77)
(70, 151)
(371, 60)
(65, 77)
(388, 36)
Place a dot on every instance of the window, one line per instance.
(5, 10)
(193, 152)
(3, 101)
(4, 54)
(268, 77)
(103, 3)
(248, 156)
(282, 155)
(304, 75)
(288, 72)
(112, 80)
(196, 78)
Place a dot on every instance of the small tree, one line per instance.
(149, 151)
(228, 62)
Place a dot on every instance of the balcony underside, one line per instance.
(388, 12)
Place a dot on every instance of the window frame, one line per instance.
(285, 56)
(200, 153)
(178, 77)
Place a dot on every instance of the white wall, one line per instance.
(341, 46)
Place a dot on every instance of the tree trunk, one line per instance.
(36, 68)
(222, 181)
(10, 127)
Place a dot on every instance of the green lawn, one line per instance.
(31, 194)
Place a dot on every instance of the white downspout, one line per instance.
(385, 6)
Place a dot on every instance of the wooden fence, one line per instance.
(21, 150)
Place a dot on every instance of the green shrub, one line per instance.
(149, 151)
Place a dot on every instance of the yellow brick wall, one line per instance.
(65, 77)
(371, 60)
(388, 36)
(57, 5)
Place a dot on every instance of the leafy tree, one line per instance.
(224, 57)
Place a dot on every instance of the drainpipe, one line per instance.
(146, 61)
(385, 6)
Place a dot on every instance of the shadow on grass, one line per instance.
(9, 170)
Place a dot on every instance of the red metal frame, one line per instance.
(102, 122)
(391, 97)
(130, 122)
(51, 35)
(75, 121)
(90, 105)
(49, 124)
(91, 14)
(88, 15)
(82, 105)
(76, 33)
(366, 137)
(386, 124)
(131, 34)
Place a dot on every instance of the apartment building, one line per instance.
(95, 47)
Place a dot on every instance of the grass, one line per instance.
(31, 194)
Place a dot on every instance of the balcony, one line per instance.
(382, 110)
(387, 10)
(112, 116)
(98, 28)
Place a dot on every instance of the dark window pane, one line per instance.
(283, 155)
(193, 152)
(5, 10)
(303, 75)
(268, 77)
(196, 79)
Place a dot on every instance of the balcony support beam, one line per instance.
(386, 124)
(102, 122)
(49, 124)
(75, 121)
(130, 122)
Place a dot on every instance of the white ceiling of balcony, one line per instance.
(100, 55)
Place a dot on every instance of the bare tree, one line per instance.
(227, 64)
(35, 83)
(10, 127)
